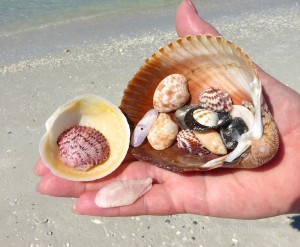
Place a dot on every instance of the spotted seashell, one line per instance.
(215, 100)
(171, 93)
(188, 141)
(163, 132)
(82, 147)
(206, 117)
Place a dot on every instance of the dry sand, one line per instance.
(32, 89)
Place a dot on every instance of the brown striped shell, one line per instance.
(187, 140)
(207, 62)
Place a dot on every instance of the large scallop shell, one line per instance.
(90, 111)
(206, 61)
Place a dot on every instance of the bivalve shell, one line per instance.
(206, 62)
(215, 100)
(93, 112)
(82, 147)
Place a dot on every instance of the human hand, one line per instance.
(269, 190)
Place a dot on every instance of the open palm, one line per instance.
(266, 191)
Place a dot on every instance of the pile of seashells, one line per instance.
(199, 102)
(213, 126)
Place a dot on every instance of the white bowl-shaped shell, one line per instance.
(206, 61)
(91, 111)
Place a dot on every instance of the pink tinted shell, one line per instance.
(82, 147)
(215, 100)
(122, 193)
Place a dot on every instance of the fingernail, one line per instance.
(75, 211)
(190, 3)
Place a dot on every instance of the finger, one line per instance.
(155, 202)
(188, 22)
(56, 186)
(40, 169)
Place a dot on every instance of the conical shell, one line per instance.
(90, 111)
(206, 61)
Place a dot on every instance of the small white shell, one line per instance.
(163, 132)
(122, 193)
(244, 113)
(143, 127)
(206, 117)
(171, 93)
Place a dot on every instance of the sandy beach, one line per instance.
(42, 69)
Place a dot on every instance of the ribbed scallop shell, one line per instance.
(82, 147)
(206, 61)
(215, 100)
(90, 111)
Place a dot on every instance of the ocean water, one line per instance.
(20, 16)
(37, 28)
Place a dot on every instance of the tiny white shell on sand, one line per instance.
(122, 193)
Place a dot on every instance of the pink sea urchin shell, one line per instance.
(214, 99)
(82, 147)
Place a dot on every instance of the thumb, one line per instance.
(188, 22)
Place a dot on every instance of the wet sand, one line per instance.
(35, 83)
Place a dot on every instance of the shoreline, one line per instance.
(254, 29)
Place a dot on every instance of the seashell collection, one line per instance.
(195, 105)
(210, 88)
(200, 107)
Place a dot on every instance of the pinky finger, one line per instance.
(40, 169)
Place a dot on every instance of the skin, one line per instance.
(270, 190)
